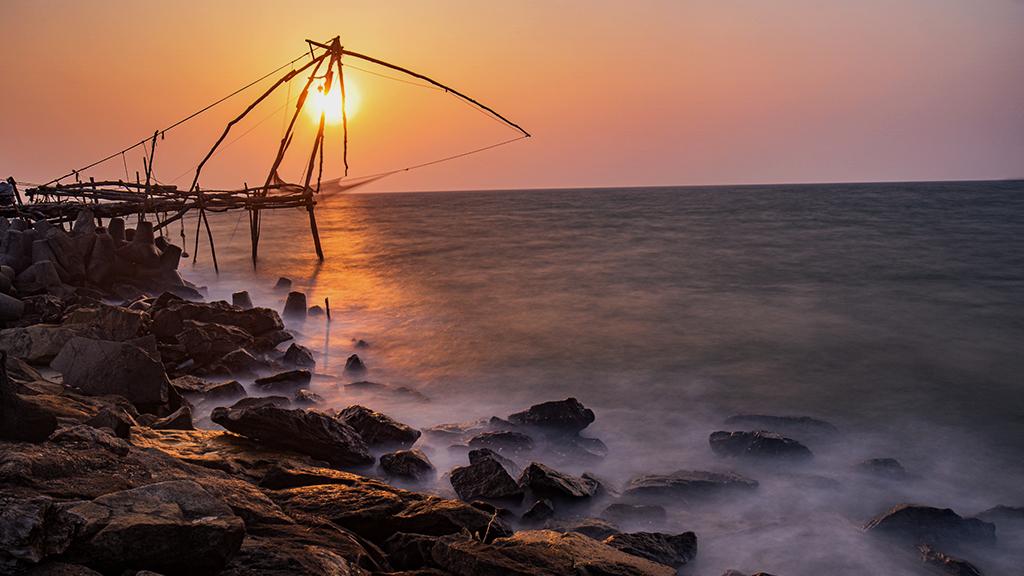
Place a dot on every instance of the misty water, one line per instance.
(894, 311)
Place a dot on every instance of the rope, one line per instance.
(183, 120)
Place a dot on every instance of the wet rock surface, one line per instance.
(689, 484)
(758, 445)
(412, 464)
(377, 429)
(545, 481)
(486, 478)
(933, 526)
(669, 549)
(305, 432)
(567, 416)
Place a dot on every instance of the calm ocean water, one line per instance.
(895, 311)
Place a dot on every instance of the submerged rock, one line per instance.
(304, 432)
(634, 513)
(103, 367)
(545, 481)
(378, 429)
(487, 479)
(889, 468)
(290, 381)
(298, 355)
(241, 300)
(484, 453)
(946, 563)
(567, 415)
(796, 425)
(757, 445)
(670, 549)
(412, 464)
(928, 525)
(295, 306)
(689, 484)
(539, 511)
(354, 365)
(1003, 514)
(502, 441)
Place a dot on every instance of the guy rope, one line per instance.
(61, 202)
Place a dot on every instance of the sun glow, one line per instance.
(330, 103)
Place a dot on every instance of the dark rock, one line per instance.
(43, 308)
(285, 381)
(10, 307)
(757, 445)
(206, 342)
(100, 269)
(38, 343)
(197, 388)
(378, 429)
(180, 419)
(407, 464)
(540, 511)
(283, 284)
(361, 344)
(116, 419)
(82, 434)
(634, 513)
(935, 526)
(241, 300)
(354, 365)
(252, 402)
(41, 278)
(504, 441)
(170, 527)
(293, 549)
(62, 569)
(539, 552)
(486, 479)
(20, 420)
(241, 361)
(315, 311)
(945, 563)
(171, 312)
(105, 322)
(544, 481)
(796, 425)
(376, 511)
(298, 355)
(689, 484)
(103, 367)
(485, 453)
(670, 549)
(295, 306)
(269, 340)
(567, 415)
(1003, 514)
(889, 468)
(410, 551)
(304, 432)
(305, 397)
(592, 527)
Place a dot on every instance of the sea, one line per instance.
(894, 311)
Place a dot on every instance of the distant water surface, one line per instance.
(895, 311)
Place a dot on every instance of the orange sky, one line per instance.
(638, 93)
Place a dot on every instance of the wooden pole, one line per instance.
(308, 192)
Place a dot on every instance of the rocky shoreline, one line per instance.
(130, 445)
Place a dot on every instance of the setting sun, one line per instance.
(330, 103)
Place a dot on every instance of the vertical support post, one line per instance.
(308, 192)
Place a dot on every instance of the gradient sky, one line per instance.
(615, 93)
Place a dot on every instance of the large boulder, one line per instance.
(689, 484)
(290, 381)
(789, 425)
(934, 526)
(100, 367)
(378, 429)
(757, 445)
(377, 511)
(671, 549)
(304, 432)
(486, 478)
(298, 355)
(21, 420)
(171, 313)
(38, 343)
(545, 481)
(407, 464)
(106, 322)
(539, 553)
(168, 527)
(567, 415)
(206, 341)
(502, 441)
